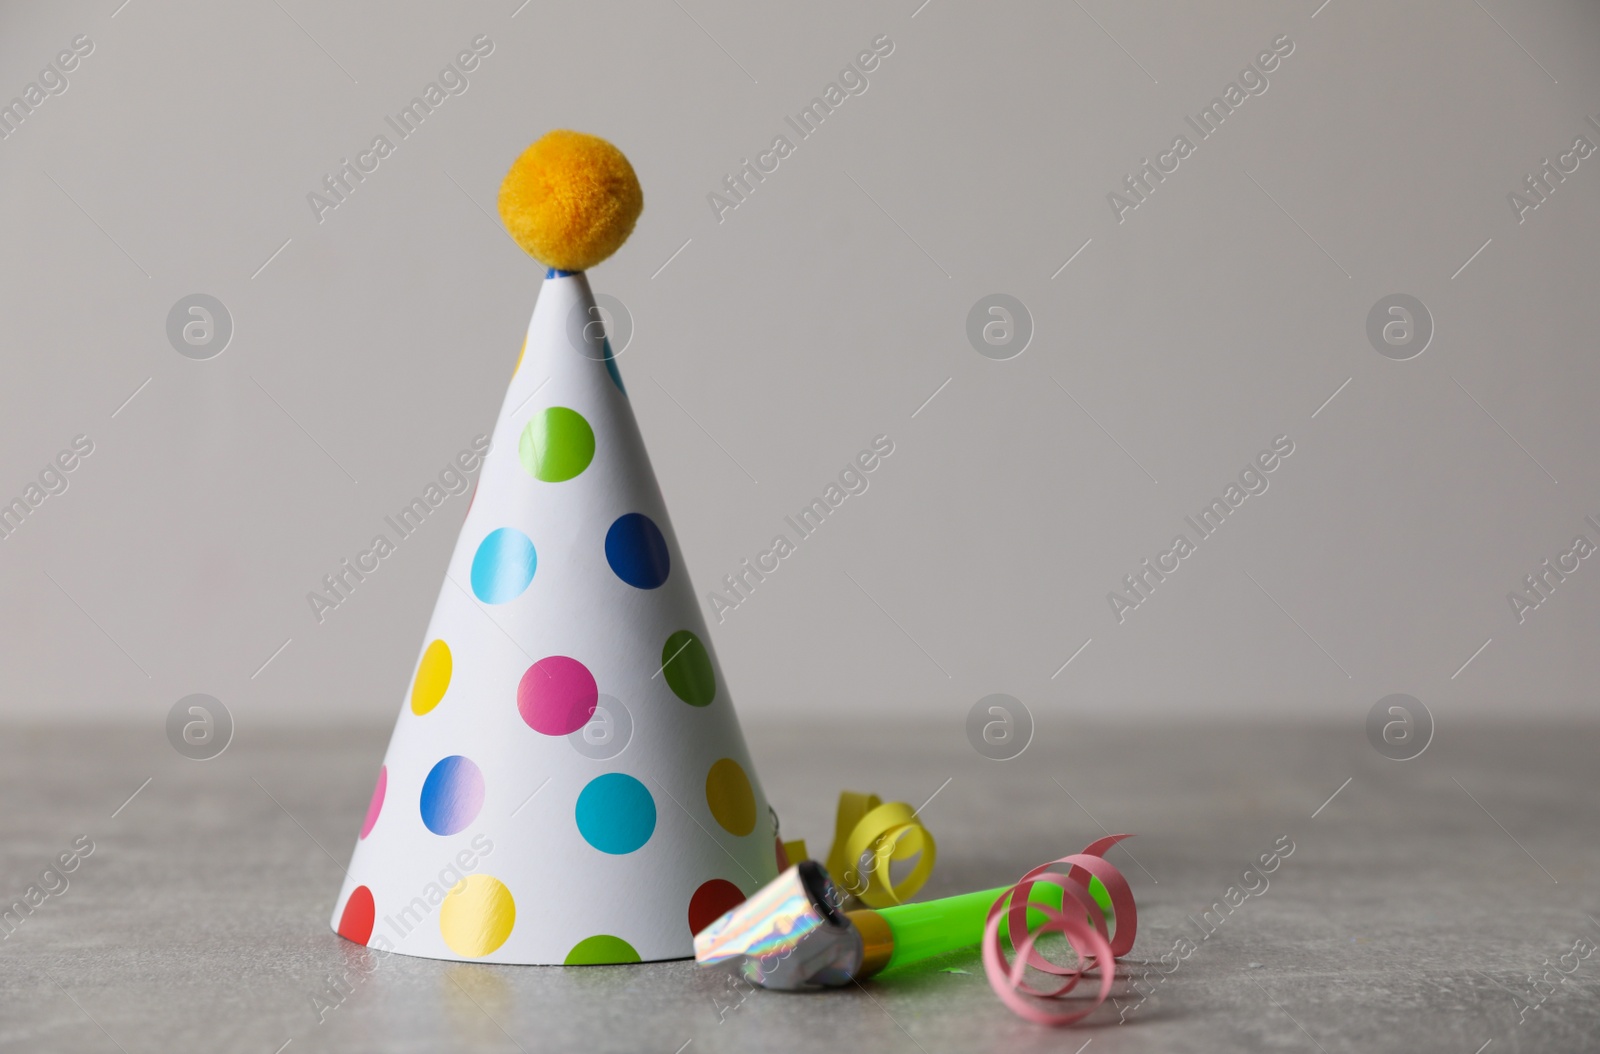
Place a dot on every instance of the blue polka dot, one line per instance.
(611, 365)
(637, 552)
(616, 813)
(452, 795)
(503, 566)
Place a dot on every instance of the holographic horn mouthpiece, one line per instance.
(790, 935)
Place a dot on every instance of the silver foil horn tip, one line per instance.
(789, 936)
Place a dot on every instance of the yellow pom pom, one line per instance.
(570, 200)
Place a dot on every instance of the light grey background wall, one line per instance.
(1170, 345)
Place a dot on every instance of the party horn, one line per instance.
(792, 934)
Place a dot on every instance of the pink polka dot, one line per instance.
(377, 802)
(557, 696)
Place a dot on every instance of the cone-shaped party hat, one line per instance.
(567, 782)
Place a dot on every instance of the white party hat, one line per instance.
(567, 781)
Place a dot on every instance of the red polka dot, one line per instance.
(356, 922)
(711, 901)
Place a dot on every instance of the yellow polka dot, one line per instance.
(732, 801)
(433, 678)
(477, 916)
(520, 356)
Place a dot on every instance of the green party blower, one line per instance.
(792, 936)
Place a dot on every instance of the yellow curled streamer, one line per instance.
(868, 836)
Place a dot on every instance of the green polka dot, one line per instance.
(688, 668)
(601, 950)
(556, 445)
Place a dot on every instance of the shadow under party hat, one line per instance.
(567, 781)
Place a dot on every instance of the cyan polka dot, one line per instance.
(637, 552)
(616, 813)
(503, 566)
(611, 365)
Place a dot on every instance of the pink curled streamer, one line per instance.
(1097, 945)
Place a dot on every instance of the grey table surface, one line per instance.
(1412, 914)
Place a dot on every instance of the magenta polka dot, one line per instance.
(377, 802)
(557, 696)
